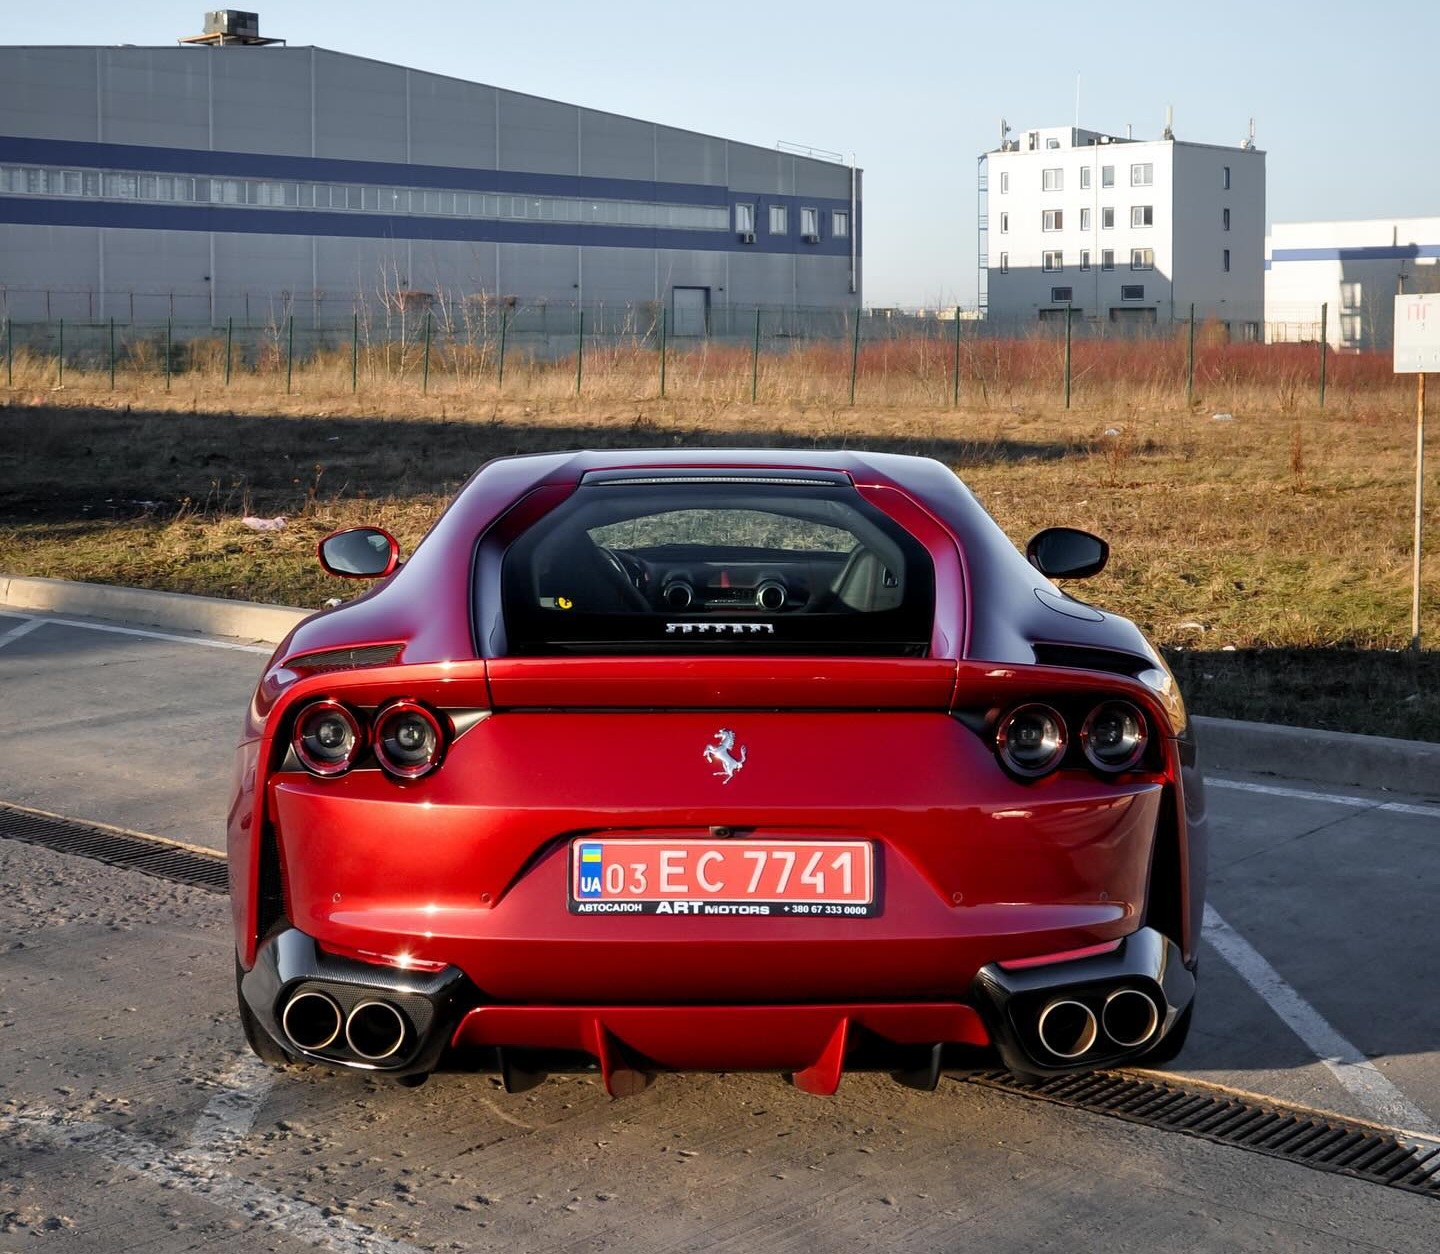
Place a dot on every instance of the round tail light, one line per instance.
(409, 740)
(1114, 736)
(1031, 740)
(327, 738)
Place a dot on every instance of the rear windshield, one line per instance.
(621, 567)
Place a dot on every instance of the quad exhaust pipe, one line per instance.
(1069, 1029)
(373, 1030)
(311, 1020)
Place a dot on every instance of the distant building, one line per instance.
(1356, 268)
(234, 179)
(1124, 231)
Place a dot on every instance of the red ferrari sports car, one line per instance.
(716, 760)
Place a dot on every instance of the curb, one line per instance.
(216, 616)
(1342, 758)
(1328, 757)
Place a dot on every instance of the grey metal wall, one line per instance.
(306, 102)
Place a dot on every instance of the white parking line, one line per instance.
(205, 641)
(14, 634)
(229, 1115)
(1356, 1072)
(1334, 798)
(253, 1203)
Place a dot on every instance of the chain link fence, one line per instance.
(440, 344)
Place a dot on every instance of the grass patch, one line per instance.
(1269, 553)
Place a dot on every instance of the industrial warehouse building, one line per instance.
(240, 180)
(1122, 230)
(1355, 269)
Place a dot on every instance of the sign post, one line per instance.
(1417, 351)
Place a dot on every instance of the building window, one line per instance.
(1084, 177)
(1062, 295)
(1004, 223)
(1084, 259)
(1107, 259)
(1142, 215)
(809, 222)
(1226, 183)
(1142, 174)
(779, 220)
(840, 223)
(1004, 181)
(1052, 142)
(1132, 291)
(1107, 176)
(1225, 261)
(1054, 220)
(1053, 261)
(1054, 180)
(1142, 259)
(1107, 218)
(1225, 219)
(745, 219)
(1004, 263)
(1085, 219)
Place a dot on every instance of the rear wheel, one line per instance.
(260, 1041)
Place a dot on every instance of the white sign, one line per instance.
(1417, 334)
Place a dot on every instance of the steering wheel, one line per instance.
(626, 580)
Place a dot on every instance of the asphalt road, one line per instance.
(131, 1117)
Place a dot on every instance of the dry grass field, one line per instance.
(1263, 541)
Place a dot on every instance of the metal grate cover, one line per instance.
(1323, 1142)
(149, 854)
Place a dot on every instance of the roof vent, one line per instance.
(231, 26)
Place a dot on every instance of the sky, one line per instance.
(1343, 94)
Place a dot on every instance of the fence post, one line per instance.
(289, 351)
(955, 370)
(60, 358)
(169, 332)
(354, 352)
(1324, 348)
(579, 350)
(1190, 361)
(425, 368)
(664, 319)
(854, 354)
(229, 342)
(755, 359)
(1069, 311)
(112, 354)
(504, 323)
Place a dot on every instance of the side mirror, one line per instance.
(360, 553)
(1067, 553)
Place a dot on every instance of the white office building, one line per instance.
(1122, 230)
(1355, 269)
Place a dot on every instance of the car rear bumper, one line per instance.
(815, 1043)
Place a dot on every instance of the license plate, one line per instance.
(816, 878)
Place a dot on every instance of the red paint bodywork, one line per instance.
(468, 867)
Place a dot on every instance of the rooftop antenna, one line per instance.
(1169, 131)
(1077, 102)
(1004, 131)
(1249, 144)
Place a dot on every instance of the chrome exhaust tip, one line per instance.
(375, 1030)
(311, 1020)
(1130, 1017)
(1067, 1028)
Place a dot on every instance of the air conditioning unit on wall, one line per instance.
(811, 239)
(747, 237)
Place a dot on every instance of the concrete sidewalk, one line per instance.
(1334, 758)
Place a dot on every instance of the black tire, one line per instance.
(264, 1047)
(1169, 1049)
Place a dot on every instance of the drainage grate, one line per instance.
(149, 854)
(1324, 1142)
